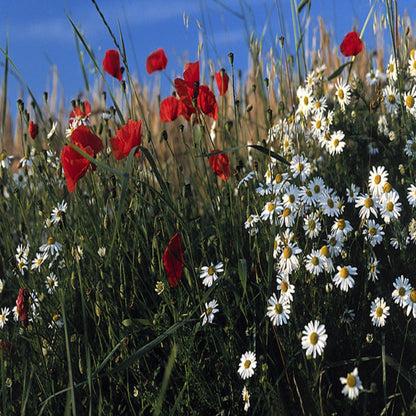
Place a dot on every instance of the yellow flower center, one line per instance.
(211, 270)
(278, 308)
(318, 124)
(410, 101)
(315, 261)
(325, 251)
(344, 273)
(387, 188)
(286, 212)
(377, 179)
(311, 225)
(305, 100)
(335, 143)
(317, 189)
(368, 203)
(330, 203)
(284, 286)
(308, 193)
(50, 241)
(247, 364)
(292, 198)
(287, 252)
(372, 231)
(402, 291)
(351, 381)
(391, 68)
(208, 311)
(379, 312)
(270, 207)
(2, 156)
(392, 99)
(278, 178)
(313, 338)
(341, 224)
(372, 268)
(275, 245)
(341, 94)
(300, 167)
(389, 206)
(412, 296)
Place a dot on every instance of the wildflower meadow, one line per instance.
(244, 244)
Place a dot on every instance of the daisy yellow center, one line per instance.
(159, 287)
(330, 203)
(286, 212)
(250, 219)
(372, 268)
(278, 308)
(313, 338)
(300, 167)
(414, 65)
(344, 273)
(50, 241)
(410, 101)
(325, 251)
(402, 291)
(391, 68)
(278, 178)
(3, 317)
(208, 311)
(351, 381)
(312, 225)
(333, 241)
(21, 264)
(379, 312)
(389, 206)
(306, 100)
(387, 188)
(318, 104)
(291, 198)
(412, 296)
(275, 245)
(368, 203)
(270, 207)
(59, 214)
(372, 231)
(341, 224)
(308, 193)
(287, 252)
(315, 261)
(317, 189)
(336, 143)
(341, 94)
(51, 282)
(247, 364)
(377, 179)
(284, 286)
(55, 317)
(211, 270)
(392, 99)
(39, 261)
(318, 124)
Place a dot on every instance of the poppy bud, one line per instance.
(33, 130)
(156, 61)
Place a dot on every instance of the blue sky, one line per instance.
(40, 35)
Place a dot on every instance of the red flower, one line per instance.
(111, 64)
(207, 103)
(22, 303)
(82, 111)
(156, 61)
(170, 109)
(173, 260)
(220, 165)
(74, 164)
(128, 137)
(222, 81)
(83, 136)
(33, 130)
(351, 44)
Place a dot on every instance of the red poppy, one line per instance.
(222, 79)
(156, 61)
(128, 137)
(22, 303)
(81, 111)
(351, 44)
(82, 136)
(33, 130)
(173, 260)
(220, 165)
(170, 109)
(207, 103)
(111, 64)
(74, 164)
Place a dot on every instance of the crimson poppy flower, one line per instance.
(206, 102)
(170, 109)
(156, 61)
(173, 260)
(81, 112)
(220, 165)
(128, 137)
(111, 64)
(351, 45)
(82, 136)
(222, 79)
(33, 130)
(22, 303)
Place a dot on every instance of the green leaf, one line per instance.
(339, 70)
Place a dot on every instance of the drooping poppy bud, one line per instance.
(22, 303)
(111, 64)
(33, 130)
(220, 165)
(173, 260)
(222, 81)
(351, 45)
(156, 61)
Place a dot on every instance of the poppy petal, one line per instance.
(170, 109)
(207, 103)
(222, 79)
(173, 260)
(156, 61)
(128, 137)
(111, 64)
(351, 45)
(191, 73)
(220, 165)
(83, 136)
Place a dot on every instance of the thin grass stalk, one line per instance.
(4, 113)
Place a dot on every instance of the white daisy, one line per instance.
(246, 398)
(312, 225)
(328, 265)
(209, 274)
(315, 262)
(286, 288)
(287, 217)
(343, 93)
(38, 260)
(373, 232)
(390, 207)
(3, 317)
(376, 181)
(336, 143)
(411, 195)
(367, 206)
(291, 197)
(353, 384)
(372, 77)
(379, 312)
(159, 287)
(51, 283)
(391, 70)
(329, 203)
(300, 166)
(289, 258)
(51, 247)
(210, 311)
(278, 310)
(314, 338)
(343, 277)
(409, 101)
(402, 290)
(391, 99)
(58, 212)
(411, 303)
(247, 365)
(340, 228)
(372, 269)
(269, 210)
